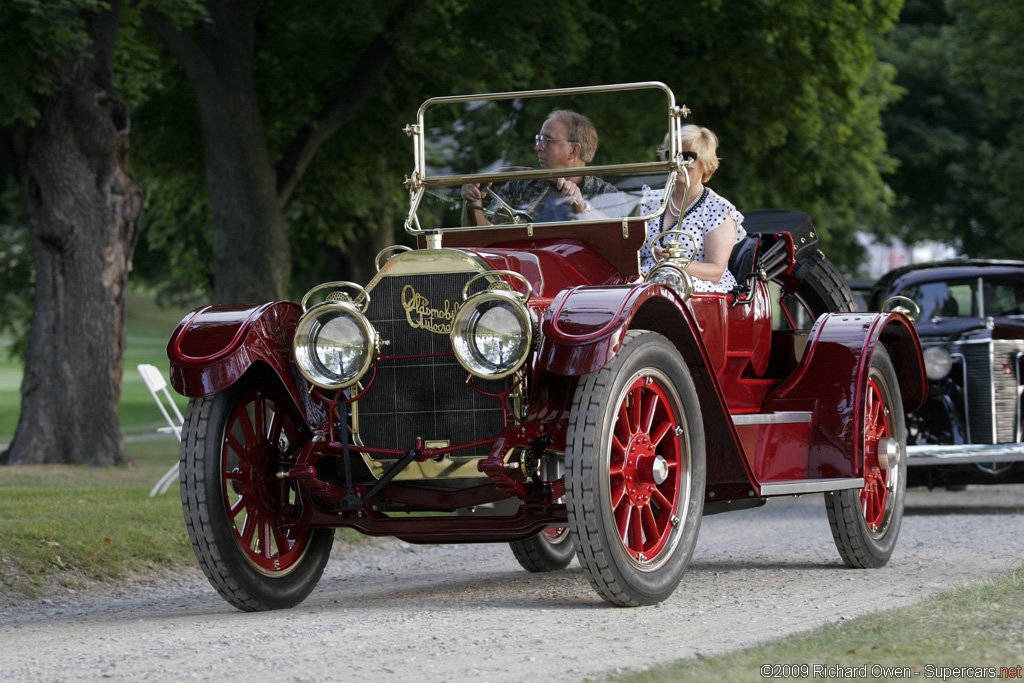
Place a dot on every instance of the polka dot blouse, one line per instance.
(704, 215)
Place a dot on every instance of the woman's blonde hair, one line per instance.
(696, 139)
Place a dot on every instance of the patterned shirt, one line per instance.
(704, 215)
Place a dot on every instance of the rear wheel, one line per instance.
(547, 551)
(814, 288)
(866, 522)
(236, 508)
(635, 472)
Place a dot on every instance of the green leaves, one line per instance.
(34, 36)
(957, 132)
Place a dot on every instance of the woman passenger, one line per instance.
(715, 224)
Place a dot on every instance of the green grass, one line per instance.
(981, 625)
(65, 525)
(62, 526)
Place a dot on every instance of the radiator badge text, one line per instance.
(420, 314)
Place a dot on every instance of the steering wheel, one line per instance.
(504, 214)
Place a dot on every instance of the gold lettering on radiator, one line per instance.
(420, 314)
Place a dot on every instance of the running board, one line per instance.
(779, 418)
(965, 453)
(800, 486)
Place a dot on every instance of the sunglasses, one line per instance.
(687, 156)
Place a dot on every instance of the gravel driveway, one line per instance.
(389, 611)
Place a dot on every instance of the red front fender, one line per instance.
(584, 326)
(215, 345)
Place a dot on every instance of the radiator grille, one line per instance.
(1006, 356)
(422, 391)
(993, 394)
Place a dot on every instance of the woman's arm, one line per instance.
(717, 249)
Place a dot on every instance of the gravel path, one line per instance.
(388, 611)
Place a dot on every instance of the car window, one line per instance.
(1004, 296)
(945, 299)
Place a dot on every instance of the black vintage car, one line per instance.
(971, 326)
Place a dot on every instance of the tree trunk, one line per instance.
(251, 255)
(83, 211)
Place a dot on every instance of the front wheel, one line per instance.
(234, 445)
(865, 522)
(635, 472)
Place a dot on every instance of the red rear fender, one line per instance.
(831, 377)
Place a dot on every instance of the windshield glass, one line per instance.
(998, 296)
(556, 156)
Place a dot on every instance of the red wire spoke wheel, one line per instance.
(238, 510)
(635, 471)
(866, 522)
(876, 497)
(259, 443)
(644, 474)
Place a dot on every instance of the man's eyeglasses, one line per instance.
(662, 155)
(544, 140)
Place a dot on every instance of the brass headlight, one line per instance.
(491, 334)
(670, 274)
(334, 344)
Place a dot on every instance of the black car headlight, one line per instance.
(334, 344)
(491, 334)
(937, 362)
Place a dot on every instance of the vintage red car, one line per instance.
(523, 382)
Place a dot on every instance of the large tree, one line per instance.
(65, 134)
(333, 85)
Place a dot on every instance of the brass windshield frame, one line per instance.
(420, 182)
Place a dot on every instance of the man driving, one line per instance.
(566, 140)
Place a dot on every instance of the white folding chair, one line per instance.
(157, 386)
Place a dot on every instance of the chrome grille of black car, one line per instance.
(421, 391)
(1006, 356)
(993, 396)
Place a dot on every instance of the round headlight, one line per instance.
(937, 362)
(670, 275)
(491, 334)
(334, 345)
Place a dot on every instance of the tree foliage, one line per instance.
(794, 90)
(957, 133)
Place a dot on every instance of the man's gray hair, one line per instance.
(580, 129)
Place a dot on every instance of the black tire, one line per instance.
(813, 288)
(633, 534)
(548, 551)
(233, 444)
(866, 522)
